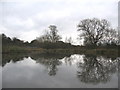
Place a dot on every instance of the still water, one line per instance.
(59, 71)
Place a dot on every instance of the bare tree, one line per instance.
(45, 37)
(54, 33)
(68, 40)
(50, 35)
(95, 31)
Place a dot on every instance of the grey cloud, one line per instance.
(35, 16)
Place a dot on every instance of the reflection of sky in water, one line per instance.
(34, 74)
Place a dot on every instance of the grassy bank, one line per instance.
(106, 52)
(18, 49)
(101, 51)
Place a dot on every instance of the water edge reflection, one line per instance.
(86, 69)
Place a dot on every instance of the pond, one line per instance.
(59, 71)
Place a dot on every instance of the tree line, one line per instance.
(8, 42)
(94, 32)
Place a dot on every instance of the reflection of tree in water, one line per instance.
(96, 69)
(6, 58)
(119, 71)
(118, 64)
(91, 68)
(68, 60)
(50, 63)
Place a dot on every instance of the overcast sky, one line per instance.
(27, 19)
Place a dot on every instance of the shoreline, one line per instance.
(98, 51)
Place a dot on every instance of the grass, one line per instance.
(98, 51)
(18, 49)
(13, 49)
(106, 52)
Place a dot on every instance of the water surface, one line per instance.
(59, 71)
